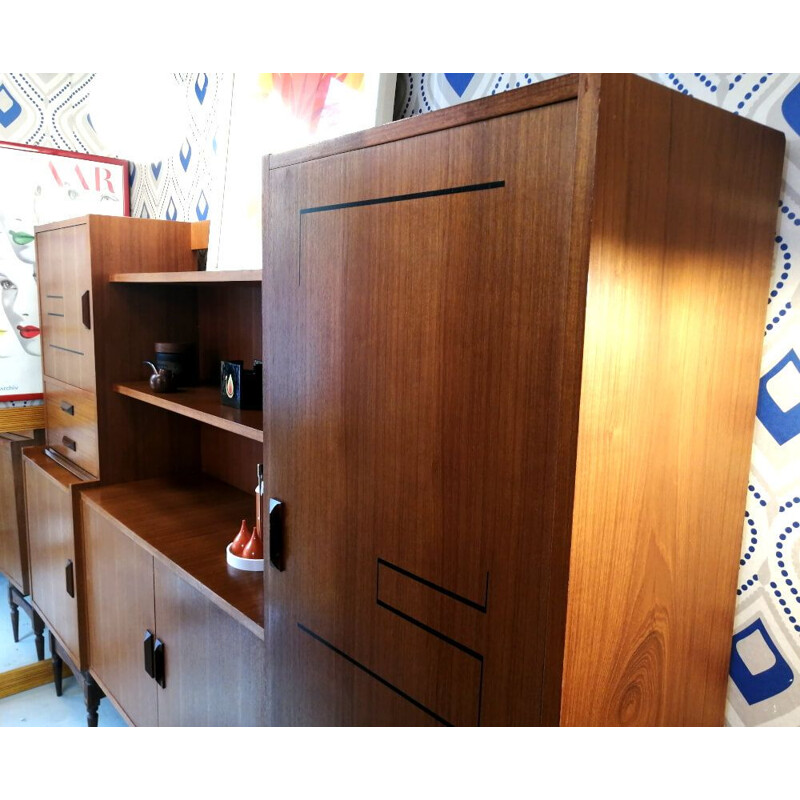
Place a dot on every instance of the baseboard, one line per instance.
(28, 677)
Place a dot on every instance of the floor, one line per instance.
(41, 707)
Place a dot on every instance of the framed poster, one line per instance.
(271, 112)
(37, 186)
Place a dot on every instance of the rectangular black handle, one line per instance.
(68, 408)
(71, 444)
(149, 656)
(276, 525)
(158, 664)
(70, 578)
(86, 310)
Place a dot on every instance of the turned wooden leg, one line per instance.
(38, 632)
(92, 694)
(14, 614)
(57, 664)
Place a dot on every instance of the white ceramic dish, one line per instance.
(248, 564)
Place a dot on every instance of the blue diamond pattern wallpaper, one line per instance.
(51, 110)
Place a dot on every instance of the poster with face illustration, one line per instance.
(38, 186)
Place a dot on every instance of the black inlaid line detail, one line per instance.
(67, 350)
(446, 592)
(55, 296)
(427, 628)
(51, 314)
(398, 198)
(375, 675)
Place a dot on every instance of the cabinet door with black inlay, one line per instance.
(413, 323)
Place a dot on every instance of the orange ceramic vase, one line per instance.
(255, 547)
(241, 541)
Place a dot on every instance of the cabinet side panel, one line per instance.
(678, 276)
(13, 553)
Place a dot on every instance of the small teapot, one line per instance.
(162, 380)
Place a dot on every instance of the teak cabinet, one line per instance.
(169, 656)
(149, 488)
(512, 353)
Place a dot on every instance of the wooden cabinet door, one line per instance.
(55, 584)
(214, 667)
(120, 613)
(414, 331)
(65, 282)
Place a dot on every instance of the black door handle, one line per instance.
(70, 578)
(158, 664)
(276, 521)
(149, 656)
(68, 408)
(86, 310)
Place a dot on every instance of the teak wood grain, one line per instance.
(472, 321)
(186, 524)
(214, 667)
(120, 609)
(678, 274)
(201, 403)
(409, 419)
(13, 520)
(54, 540)
(71, 416)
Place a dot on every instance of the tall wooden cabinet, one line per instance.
(130, 476)
(512, 353)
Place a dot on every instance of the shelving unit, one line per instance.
(200, 403)
(186, 525)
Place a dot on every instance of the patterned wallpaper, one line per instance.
(51, 110)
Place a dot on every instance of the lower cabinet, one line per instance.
(162, 651)
(54, 554)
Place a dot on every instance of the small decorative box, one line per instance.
(240, 387)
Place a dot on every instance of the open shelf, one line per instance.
(187, 524)
(195, 278)
(201, 403)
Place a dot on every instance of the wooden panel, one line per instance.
(230, 327)
(684, 215)
(411, 414)
(214, 667)
(13, 528)
(72, 424)
(51, 543)
(231, 458)
(187, 524)
(201, 403)
(196, 278)
(534, 96)
(120, 610)
(200, 235)
(64, 274)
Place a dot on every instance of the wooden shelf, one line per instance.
(187, 524)
(201, 403)
(193, 278)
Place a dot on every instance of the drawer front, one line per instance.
(72, 424)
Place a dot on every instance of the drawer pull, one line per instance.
(149, 654)
(68, 408)
(70, 444)
(70, 578)
(85, 310)
(158, 664)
